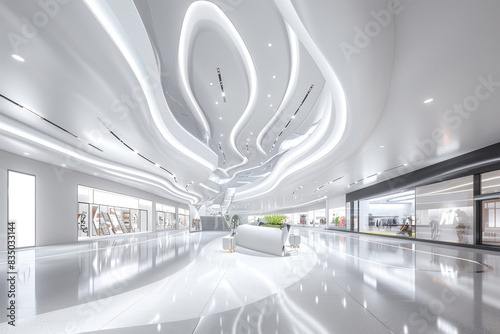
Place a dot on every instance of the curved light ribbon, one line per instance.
(137, 61)
(204, 14)
(336, 97)
(292, 85)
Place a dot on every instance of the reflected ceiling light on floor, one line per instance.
(18, 58)
(26, 153)
(269, 45)
(382, 146)
(274, 77)
(220, 117)
(428, 101)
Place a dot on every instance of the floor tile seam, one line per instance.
(209, 299)
(125, 310)
(160, 285)
(365, 308)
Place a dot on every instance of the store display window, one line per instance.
(444, 211)
(165, 217)
(183, 217)
(104, 218)
(337, 218)
(392, 214)
(490, 215)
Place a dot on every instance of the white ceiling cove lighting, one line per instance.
(332, 98)
(80, 155)
(290, 90)
(137, 60)
(428, 100)
(203, 16)
(18, 58)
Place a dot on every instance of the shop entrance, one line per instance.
(490, 226)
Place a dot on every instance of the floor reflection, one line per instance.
(347, 283)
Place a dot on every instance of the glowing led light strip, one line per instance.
(207, 13)
(291, 118)
(40, 141)
(292, 84)
(208, 188)
(299, 205)
(336, 97)
(115, 30)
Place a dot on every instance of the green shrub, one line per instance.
(274, 221)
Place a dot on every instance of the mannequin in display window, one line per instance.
(448, 217)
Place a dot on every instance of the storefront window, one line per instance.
(105, 217)
(348, 222)
(491, 222)
(490, 182)
(337, 218)
(445, 210)
(165, 217)
(392, 214)
(183, 218)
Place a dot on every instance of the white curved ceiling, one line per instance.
(344, 76)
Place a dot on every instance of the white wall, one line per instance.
(57, 198)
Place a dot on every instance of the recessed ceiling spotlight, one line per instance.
(269, 45)
(428, 100)
(248, 139)
(268, 95)
(251, 133)
(18, 58)
(26, 153)
(382, 146)
(271, 105)
(220, 117)
(274, 77)
(63, 165)
(216, 102)
(405, 165)
(222, 135)
(211, 84)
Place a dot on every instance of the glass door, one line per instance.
(491, 222)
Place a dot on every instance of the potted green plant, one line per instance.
(235, 221)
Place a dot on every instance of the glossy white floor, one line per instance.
(184, 283)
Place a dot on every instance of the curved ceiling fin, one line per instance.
(292, 85)
(332, 99)
(128, 38)
(204, 14)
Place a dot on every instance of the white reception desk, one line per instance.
(263, 239)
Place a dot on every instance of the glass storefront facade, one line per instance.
(392, 214)
(183, 218)
(165, 217)
(464, 210)
(445, 211)
(102, 213)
